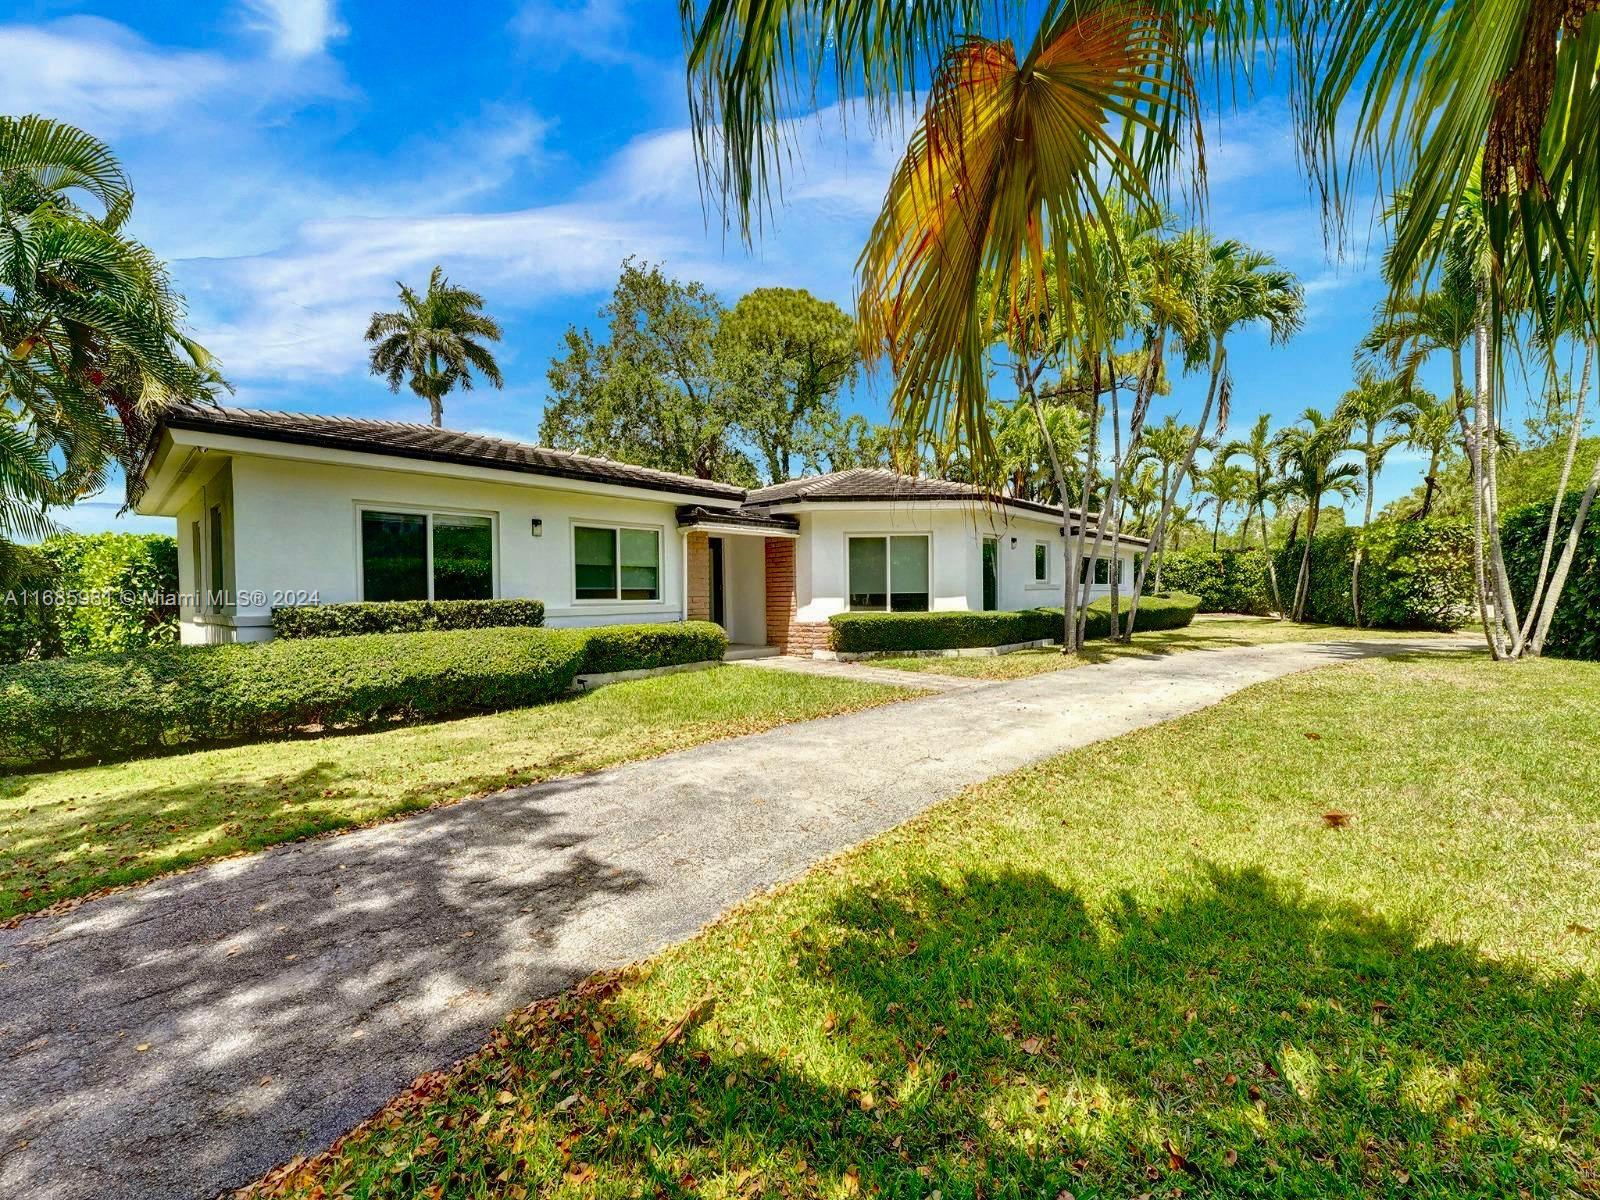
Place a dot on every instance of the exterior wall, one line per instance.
(955, 563)
(783, 557)
(296, 527)
(745, 567)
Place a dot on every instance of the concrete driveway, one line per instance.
(183, 1037)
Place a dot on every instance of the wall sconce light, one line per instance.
(1013, 543)
(538, 527)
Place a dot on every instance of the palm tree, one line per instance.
(91, 345)
(1220, 487)
(1373, 407)
(1428, 425)
(1264, 488)
(1241, 287)
(1308, 455)
(1166, 446)
(434, 338)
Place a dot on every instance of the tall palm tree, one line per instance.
(1264, 488)
(91, 344)
(435, 339)
(1373, 410)
(1166, 446)
(1308, 459)
(1428, 425)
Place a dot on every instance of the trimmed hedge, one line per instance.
(404, 616)
(88, 593)
(105, 706)
(611, 648)
(1575, 632)
(1415, 574)
(1234, 581)
(115, 705)
(862, 633)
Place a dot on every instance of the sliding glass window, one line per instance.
(888, 573)
(616, 563)
(426, 556)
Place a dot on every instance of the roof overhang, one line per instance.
(176, 442)
(1007, 509)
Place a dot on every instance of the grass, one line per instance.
(68, 833)
(1207, 633)
(1333, 937)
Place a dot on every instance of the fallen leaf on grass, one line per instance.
(1336, 819)
(1313, 737)
(696, 1013)
(1578, 930)
(1031, 1045)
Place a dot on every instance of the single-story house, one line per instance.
(291, 508)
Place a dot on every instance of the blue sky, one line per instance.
(293, 158)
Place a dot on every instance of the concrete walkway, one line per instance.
(183, 1037)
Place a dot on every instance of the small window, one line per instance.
(1041, 563)
(426, 556)
(888, 573)
(616, 563)
(1102, 571)
(219, 574)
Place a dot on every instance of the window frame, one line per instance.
(888, 568)
(1048, 579)
(616, 529)
(428, 512)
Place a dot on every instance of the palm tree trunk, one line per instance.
(1272, 567)
(1573, 438)
(1430, 486)
(1355, 564)
(1475, 440)
(1302, 588)
(1069, 623)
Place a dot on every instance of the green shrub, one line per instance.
(114, 705)
(1414, 575)
(609, 648)
(1164, 610)
(1233, 581)
(28, 627)
(1575, 631)
(862, 633)
(404, 616)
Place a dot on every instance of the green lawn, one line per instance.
(1207, 633)
(66, 833)
(1161, 966)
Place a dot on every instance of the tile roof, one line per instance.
(405, 439)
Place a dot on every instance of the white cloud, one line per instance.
(596, 30)
(99, 75)
(296, 28)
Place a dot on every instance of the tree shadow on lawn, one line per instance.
(1245, 1040)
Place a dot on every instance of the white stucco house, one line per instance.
(290, 508)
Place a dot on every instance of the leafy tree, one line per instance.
(1428, 424)
(437, 339)
(91, 344)
(653, 392)
(787, 354)
(1220, 487)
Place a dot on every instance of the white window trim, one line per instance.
(888, 567)
(577, 523)
(428, 511)
(1049, 581)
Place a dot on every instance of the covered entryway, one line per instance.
(726, 574)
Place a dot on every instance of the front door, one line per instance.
(719, 592)
(991, 574)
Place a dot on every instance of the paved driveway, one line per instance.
(183, 1037)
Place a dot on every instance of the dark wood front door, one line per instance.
(719, 591)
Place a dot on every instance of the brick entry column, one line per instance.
(698, 566)
(783, 631)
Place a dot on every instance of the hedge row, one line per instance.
(1575, 631)
(611, 648)
(862, 633)
(404, 616)
(1414, 574)
(1231, 581)
(116, 705)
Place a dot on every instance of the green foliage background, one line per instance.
(130, 574)
(1575, 632)
(403, 616)
(1229, 580)
(1415, 574)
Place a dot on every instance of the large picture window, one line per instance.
(888, 573)
(426, 556)
(616, 563)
